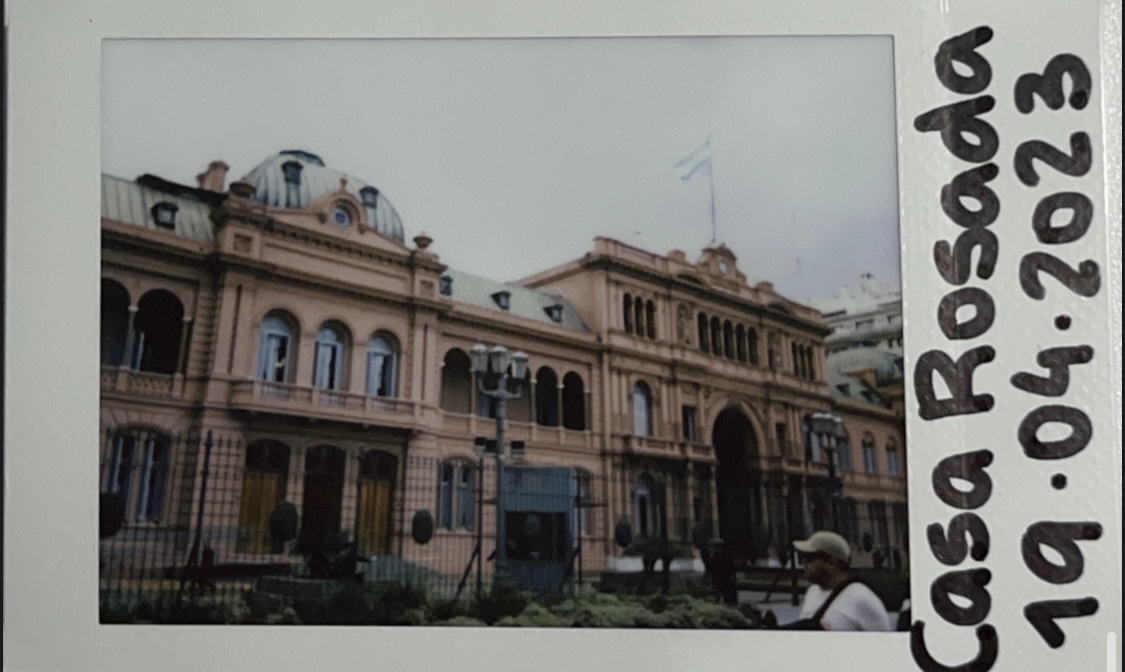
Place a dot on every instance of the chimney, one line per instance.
(214, 178)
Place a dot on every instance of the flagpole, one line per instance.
(711, 179)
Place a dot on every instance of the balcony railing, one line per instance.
(299, 400)
(650, 445)
(140, 383)
(530, 433)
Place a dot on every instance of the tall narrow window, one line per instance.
(893, 466)
(627, 312)
(781, 431)
(752, 346)
(274, 350)
(642, 410)
(687, 417)
(328, 370)
(650, 319)
(716, 337)
(114, 322)
(740, 343)
(547, 397)
(456, 382)
(728, 340)
(796, 359)
(644, 504)
(138, 473)
(639, 315)
(382, 366)
(580, 522)
(157, 332)
(869, 465)
(457, 495)
(843, 455)
(701, 323)
(574, 402)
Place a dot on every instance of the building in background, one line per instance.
(288, 314)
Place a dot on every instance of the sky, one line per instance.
(514, 154)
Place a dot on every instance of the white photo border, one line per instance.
(51, 414)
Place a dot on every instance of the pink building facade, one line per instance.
(287, 313)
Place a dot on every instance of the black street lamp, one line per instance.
(828, 429)
(501, 363)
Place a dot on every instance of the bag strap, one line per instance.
(831, 598)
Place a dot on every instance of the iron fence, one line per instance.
(204, 518)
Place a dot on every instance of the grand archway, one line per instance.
(737, 481)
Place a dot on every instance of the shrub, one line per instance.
(501, 601)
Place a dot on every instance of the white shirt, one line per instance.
(857, 607)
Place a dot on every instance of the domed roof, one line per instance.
(887, 365)
(294, 178)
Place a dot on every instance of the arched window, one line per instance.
(701, 322)
(716, 337)
(869, 465)
(457, 487)
(639, 315)
(752, 346)
(263, 488)
(894, 466)
(645, 507)
(627, 312)
(547, 397)
(728, 339)
(642, 409)
(740, 343)
(456, 382)
(650, 319)
(276, 347)
(331, 348)
(157, 331)
(574, 402)
(138, 473)
(114, 322)
(382, 366)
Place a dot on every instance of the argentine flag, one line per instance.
(696, 163)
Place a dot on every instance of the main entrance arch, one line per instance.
(737, 481)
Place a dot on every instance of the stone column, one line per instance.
(181, 354)
(130, 339)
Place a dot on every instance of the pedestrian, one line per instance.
(835, 600)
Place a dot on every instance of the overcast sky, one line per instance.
(515, 154)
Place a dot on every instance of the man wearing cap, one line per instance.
(835, 601)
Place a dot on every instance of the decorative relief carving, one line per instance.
(243, 243)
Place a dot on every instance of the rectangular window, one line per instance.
(782, 432)
(466, 498)
(843, 456)
(580, 523)
(688, 417)
(869, 459)
(151, 499)
(892, 463)
(445, 496)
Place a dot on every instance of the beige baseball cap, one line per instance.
(825, 542)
